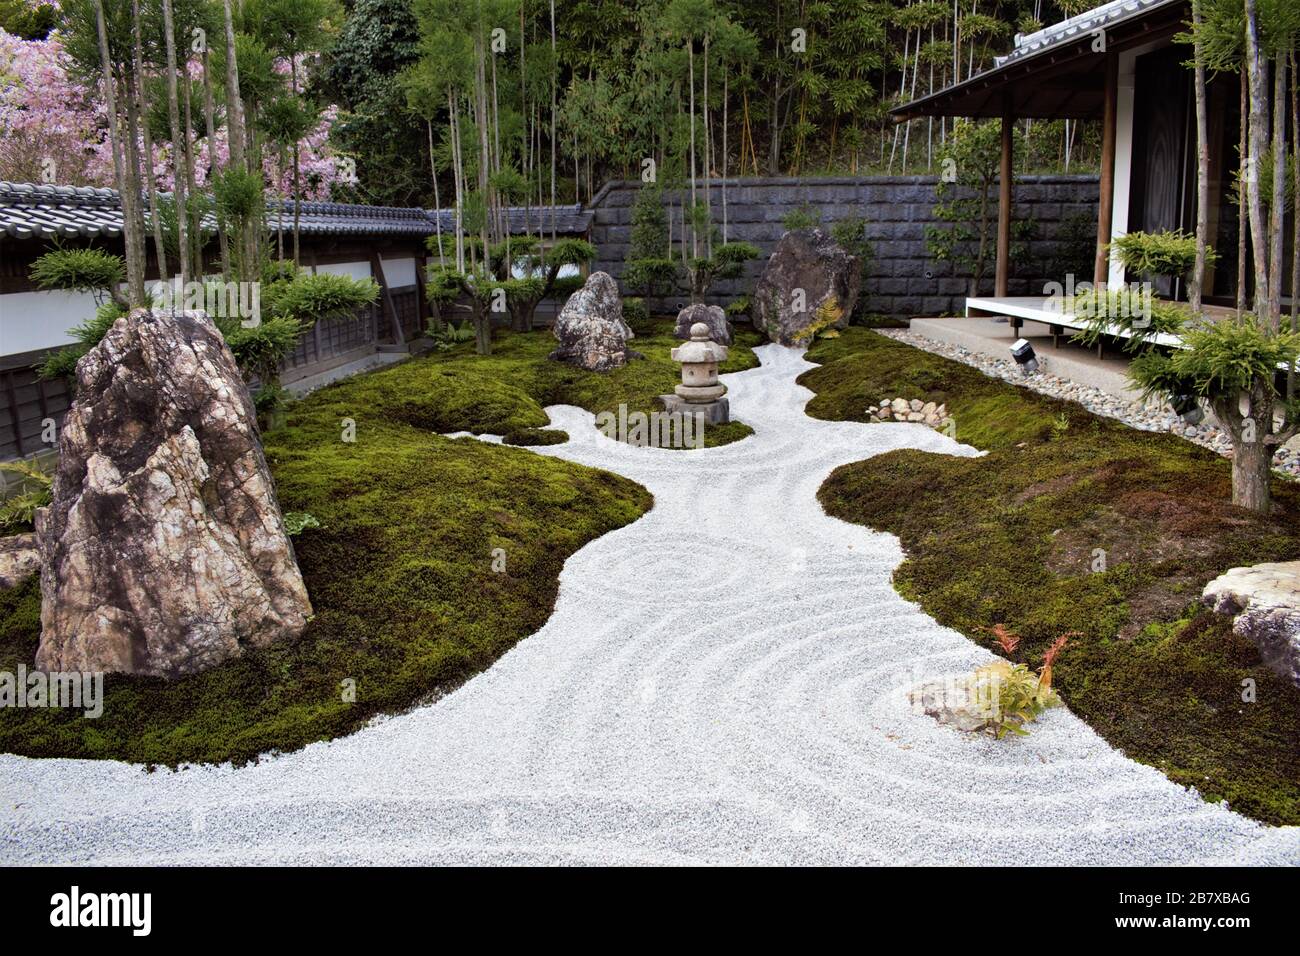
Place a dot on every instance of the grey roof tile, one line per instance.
(1085, 24)
(569, 220)
(36, 211)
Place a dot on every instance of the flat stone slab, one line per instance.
(1266, 601)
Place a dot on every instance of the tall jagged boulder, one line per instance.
(810, 284)
(163, 550)
(590, 327)
(710, 315)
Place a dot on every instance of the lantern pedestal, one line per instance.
(700, 393)
(716, 412)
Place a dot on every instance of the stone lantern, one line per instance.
(700, 392)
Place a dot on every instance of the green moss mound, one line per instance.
(1013, 538)
(505, 393)
(401, 570)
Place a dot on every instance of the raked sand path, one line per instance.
(722, 681)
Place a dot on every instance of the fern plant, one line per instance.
(1169, 253)
(1020, 694)
(451, 335)
(18, 511)
(296, 522)
(824, 320)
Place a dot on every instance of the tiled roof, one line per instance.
(31, 211)
(1083, 24)
(349, 219)
(569, 220)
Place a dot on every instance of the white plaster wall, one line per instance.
(40, 320)
(357, 270)
(1123, 157)
(399, 272)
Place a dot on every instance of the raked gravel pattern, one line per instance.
(722, 681)
(1150, 416)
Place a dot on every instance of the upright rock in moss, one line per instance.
(163, 550)
(810, 283)
(710, 315)
(590, 327)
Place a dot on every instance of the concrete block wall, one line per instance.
(905, 281)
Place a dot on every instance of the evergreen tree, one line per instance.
(649, 269)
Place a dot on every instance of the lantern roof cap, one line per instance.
(700, 348)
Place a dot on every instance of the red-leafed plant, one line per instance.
(1045, 674)
(1007, 640)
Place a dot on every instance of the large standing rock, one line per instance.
(19, 559)
(591, 329)
(806, 260)
(164, 550)
(1266, 601)
(711, 315)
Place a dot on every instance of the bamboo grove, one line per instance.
(568, 95)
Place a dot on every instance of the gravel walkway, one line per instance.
(723, 681)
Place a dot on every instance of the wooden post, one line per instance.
(386, 296)
(421, 292)
(1004, 201)
(13, 413)
(1106, 196)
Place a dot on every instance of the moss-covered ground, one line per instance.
(504, 393)
(1076, 523)
(400, 573)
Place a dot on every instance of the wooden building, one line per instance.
(1118, 64)
(386, 243)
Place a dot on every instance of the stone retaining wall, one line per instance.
(905, 281)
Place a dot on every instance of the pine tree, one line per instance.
(649, 269)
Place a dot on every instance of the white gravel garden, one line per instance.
(725, 680)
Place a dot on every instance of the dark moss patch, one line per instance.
(1015, 537)
(400, 572)
(535, 436)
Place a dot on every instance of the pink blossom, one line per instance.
(52, 125)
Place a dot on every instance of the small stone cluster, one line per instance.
(914, 410)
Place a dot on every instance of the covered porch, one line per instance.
(991, 324)
(1081, 69)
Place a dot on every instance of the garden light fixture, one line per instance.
(1189, 409)
(1025, 356)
